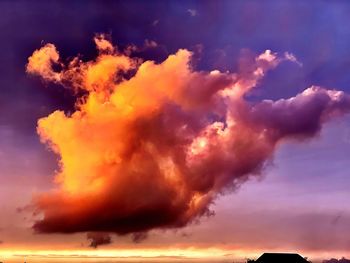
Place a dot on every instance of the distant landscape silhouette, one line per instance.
(280, 258)
(290, 258)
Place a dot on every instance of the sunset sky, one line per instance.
(174, 130)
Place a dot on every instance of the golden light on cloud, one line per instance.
(152, 145)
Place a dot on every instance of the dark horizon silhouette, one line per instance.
(291, 258)
(279, 257)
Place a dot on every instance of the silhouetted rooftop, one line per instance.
(281, 258)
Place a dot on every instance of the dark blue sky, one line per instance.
(317, 32)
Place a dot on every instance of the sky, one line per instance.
(234, 141)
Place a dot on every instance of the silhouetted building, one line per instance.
(281, 258)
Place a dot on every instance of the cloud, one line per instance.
(155, 22)
(139, 237)
(150, 146)
(42, 61)
(192, 12)
(333, 260)
(98, 239)
(102, 44)
(148, 45)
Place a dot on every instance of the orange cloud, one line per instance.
(41, 62)
(155, 149)
(103, 45)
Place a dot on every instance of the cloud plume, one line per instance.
(152, 145)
